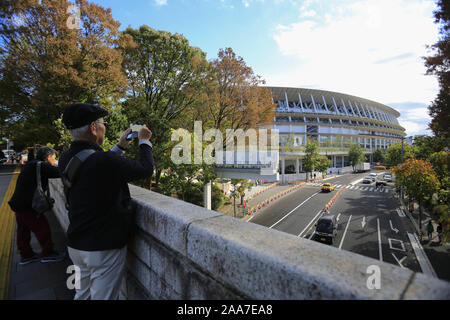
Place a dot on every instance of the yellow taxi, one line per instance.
(327, 187)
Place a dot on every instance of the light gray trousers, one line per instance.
(101, 273)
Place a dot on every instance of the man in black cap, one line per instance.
(100, 214)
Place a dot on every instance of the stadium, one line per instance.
(335, 120)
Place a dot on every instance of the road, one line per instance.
(369, 223)
(6, 172)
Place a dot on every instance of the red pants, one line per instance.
(30, 222)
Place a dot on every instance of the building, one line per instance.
(335, 120)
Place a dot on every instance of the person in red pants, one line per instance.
(29, 220)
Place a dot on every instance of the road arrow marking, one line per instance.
(399, 261)
(400, 213)
(363, 223)
(337, 218)
(393, 229)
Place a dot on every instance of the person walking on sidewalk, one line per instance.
(439, 231)
(99, 203)
(28, 220)
(430, 230)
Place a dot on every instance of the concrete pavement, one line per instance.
(35, 281)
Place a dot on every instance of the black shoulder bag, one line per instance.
(68, 176)
(42, 202)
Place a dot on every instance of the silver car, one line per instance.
(367, 180)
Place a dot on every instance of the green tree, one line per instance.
(394, 153)
(355, 155)
(439, 66)
(378, 155)
(441, 165)
(311, 156)
(427, 145)
(323, 164)
(166, 76)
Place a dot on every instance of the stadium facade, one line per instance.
(335, 120)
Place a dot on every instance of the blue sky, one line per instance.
(367, 48)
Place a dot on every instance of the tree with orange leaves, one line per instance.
(235, 99)
(419, 180)
(53, 54)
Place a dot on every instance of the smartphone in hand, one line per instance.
(132, 135)
(134, 131)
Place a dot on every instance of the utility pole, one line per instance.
(401, 187)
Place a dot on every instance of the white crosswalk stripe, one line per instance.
(353, 187)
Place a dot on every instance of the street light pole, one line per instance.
(401, 187)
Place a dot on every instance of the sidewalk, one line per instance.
(41, 281)
(438, 254)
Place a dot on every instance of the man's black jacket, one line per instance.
(26, 185)
(100, 214)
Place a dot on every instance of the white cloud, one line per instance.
(308, 13)
(161, 2)
(247, 3)
(413, 117)
(368, 48)
(414, 128)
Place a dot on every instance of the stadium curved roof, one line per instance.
(292, 94)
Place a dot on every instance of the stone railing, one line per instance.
(182, 251)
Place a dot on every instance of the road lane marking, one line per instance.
(379, 241)
(345, 232)
(357, 181)
(399, 261)
(422, 258)
(392, 228)
(400, 213)
(351, 187)
(387, 190)
(310, 223)
(393, 248)
(293, 210)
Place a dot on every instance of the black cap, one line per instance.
(80, 114)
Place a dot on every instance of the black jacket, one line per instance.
(100, 214)
(26, 185)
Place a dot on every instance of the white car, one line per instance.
(373, 176)
(388, 177)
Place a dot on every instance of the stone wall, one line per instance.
(182, 251)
